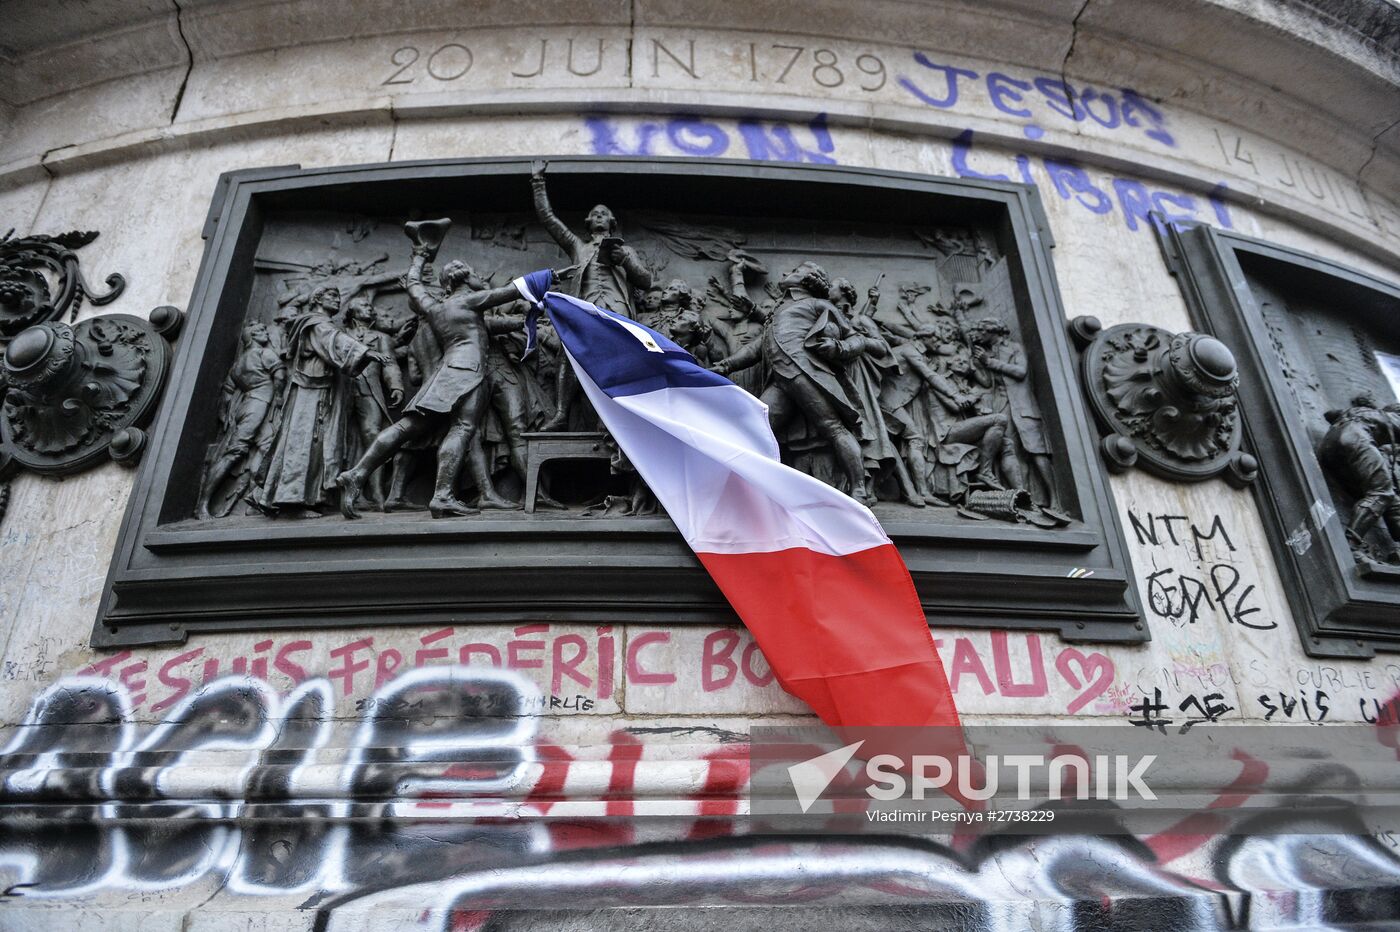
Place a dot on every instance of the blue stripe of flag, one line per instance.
(613, 349)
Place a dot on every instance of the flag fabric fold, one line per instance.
(807, 568)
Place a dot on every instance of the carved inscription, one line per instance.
(908, 76)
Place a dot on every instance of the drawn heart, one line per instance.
(1095, 670)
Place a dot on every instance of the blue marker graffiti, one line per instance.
(950, 79)
(1136, 202)
(1023, 97)
(766, 141)
(684, 135)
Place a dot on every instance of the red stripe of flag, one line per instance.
(845, 634)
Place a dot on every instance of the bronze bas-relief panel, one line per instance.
(359, 438)
(1320, 395)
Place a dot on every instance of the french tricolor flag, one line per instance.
(808, 569)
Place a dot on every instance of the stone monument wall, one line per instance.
(1123, 116)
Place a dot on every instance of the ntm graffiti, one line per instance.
(1210, 584)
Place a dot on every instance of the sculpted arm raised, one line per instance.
(421, 300)
(560, 233)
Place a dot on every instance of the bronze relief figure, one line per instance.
(455, 394)
(310, 442)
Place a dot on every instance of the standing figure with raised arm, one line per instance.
(607, 271)
(456, 394)
(419, 353)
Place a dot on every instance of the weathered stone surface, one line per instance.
(1104, 268)
(49, 48)
(1227, 114)
(1279, 103)
(19, 204)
